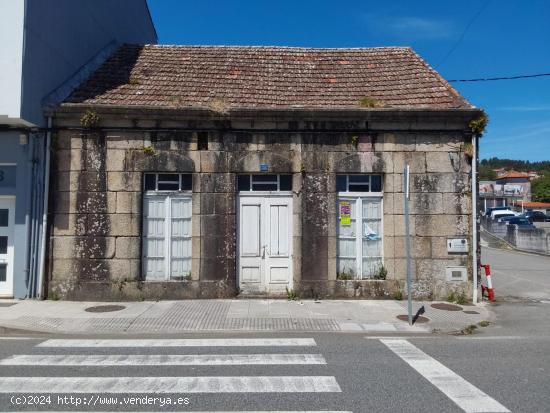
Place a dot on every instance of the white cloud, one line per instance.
(411, 26)
(536, 108)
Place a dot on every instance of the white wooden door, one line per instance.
(7, 225)
(265, 244)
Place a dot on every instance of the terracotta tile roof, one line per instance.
(534, 204)
(266, 77)
(513, 174)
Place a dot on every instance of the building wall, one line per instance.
(11, 57)
(46, 44)
(97, 203)
(19, 157)
(62, 36)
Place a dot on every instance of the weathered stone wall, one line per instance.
(95, 248)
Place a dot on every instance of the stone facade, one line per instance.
(97, 196)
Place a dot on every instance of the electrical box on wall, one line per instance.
(457, 245)
(456, 274)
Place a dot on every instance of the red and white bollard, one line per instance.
(489, 287)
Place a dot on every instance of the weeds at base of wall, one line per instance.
(291, 295)
(398, 295)
(469, 330)
(381, 274)
(458, 298)
(484, 323)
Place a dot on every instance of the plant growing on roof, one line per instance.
(133, 80)
(478, 125)
(90, 119)
(219, 105)
(368, 102)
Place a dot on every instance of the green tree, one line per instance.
(540, 189)
(486, 173)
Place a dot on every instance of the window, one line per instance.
(360, 229)
(4, 215)
(168, 182)
(167, 227)
(359, 183)
(264, 183)
(360, 235)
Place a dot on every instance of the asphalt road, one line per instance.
(360, 374)
(518, 275)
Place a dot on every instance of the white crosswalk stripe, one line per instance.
(468, 397)
(196, 342)
(164, 360)
(210, 384)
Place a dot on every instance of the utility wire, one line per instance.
(472, 20)
(487, 79)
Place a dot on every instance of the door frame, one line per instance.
(10, 273)
(263, 195)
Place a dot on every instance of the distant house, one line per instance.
(509, 188)
(186, 172)
(48, 47)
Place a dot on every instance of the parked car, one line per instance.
(521, 222)
(500, 208)
(508, 218)
(501, 213)
(536, 216)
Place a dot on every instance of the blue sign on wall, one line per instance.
(7, 176)
(264, 167)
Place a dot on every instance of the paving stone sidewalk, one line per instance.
(167, 317)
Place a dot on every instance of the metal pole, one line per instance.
(46, 183)
(406, 194)
(474, 220)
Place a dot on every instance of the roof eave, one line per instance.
(240, 112)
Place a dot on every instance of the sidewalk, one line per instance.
(169, 317)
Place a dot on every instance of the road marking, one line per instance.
(468, 397)
(195, 342)
(163, 360)
(21, 338)
(407, 337)
(182, 385)
(492, 337)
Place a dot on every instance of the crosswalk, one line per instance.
(228, 355)
(95, 357)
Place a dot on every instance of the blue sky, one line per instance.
(504, 38)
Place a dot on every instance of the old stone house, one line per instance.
(184, 172)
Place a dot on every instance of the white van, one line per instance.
(501, 213)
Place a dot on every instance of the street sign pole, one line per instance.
(406, 193)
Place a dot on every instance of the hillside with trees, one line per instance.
(515, 165)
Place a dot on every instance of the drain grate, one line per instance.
(446, 307)
(420, 319)
(104, 308)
